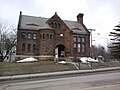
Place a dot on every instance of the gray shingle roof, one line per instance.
(36, 23)
(75, 27)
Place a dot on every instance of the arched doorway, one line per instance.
(60, 51)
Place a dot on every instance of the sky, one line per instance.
(101, 15)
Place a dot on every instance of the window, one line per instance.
(47, 36)
(79, 44)
(83, 39)
(75, 39)
(79, 39)
(29, 46)
(43, 36)
(34, 36)
(75, 45)
(51, 36)
(58, 25)
(23, 35)
(55, 25)
(23, 47)
(52, 25)
(29, 35)
(34, 47)
(79, 48)
(83, 47)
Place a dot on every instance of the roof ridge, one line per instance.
(46, 18)
(35, 16)
(69, 21)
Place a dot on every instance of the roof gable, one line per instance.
(54, 17)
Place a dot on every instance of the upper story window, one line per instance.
(51, 36)
(79, 44)
(75, 39)
(47, 36)
(79, 39)
(34, 36)
(55, 25)
(83, 40)
(58, 25)
(23, 35)
(29, 35)
(43, 36)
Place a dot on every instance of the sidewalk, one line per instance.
(53, 74)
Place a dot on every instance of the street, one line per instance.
(104, 81)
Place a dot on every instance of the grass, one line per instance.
(32, 67)
(11, 68)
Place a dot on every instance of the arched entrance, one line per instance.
(60, 51)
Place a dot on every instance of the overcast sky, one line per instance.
(101, 15)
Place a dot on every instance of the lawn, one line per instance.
(12, 68)
(32, 67)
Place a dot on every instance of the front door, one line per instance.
(60, 51)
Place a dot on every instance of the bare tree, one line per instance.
(99, 50)
(7, 40)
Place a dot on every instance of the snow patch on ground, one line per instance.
(30, 59)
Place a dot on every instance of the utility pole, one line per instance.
(91, 53)
(91, 40)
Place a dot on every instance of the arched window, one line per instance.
(43, 36)
(34, 35)
(58, 25)
(55, 25)
(52, 25)
(29, 35)
(47, 36)
(51, 36)
(23, 35)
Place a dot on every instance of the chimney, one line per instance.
(80, 18)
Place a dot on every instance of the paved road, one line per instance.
(106, 81)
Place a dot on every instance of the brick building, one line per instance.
(46, 38)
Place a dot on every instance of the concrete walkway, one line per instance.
(53, 74)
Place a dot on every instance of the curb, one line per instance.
(53, 74)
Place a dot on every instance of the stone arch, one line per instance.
(60, 50)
